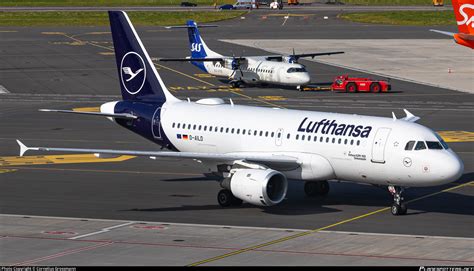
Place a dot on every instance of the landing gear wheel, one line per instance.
(313, 189)
(398, 207)
(226, 199)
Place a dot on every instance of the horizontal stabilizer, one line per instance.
(116, 115)
(190, 26)
(443, 32)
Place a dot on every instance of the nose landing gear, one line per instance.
(398, 207)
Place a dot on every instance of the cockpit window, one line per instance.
(445, 146)
(434, 145)
(291, 70)
(420, 145)
(409, 145)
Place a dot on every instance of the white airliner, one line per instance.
(257, 150)
(271, 69)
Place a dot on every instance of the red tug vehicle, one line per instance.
(357, 84)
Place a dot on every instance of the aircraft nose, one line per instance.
(305, 79)
(453, 168)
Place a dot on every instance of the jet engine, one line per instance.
(263, 187)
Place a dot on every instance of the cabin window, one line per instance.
(273, 134)
(238, 131)
(194, 127)
(279, 135)
(173, 125)
(358, 142)
(243, 131)
(297, 137)
(309, 138)
(345, 141)
(255, 133)
(179, 125)
(189, 126)
(266, 134)
(288, 136)
(409, 145)
(184, 126)
(261, 133)
(315, 138)
(205, 127)
(226, 130)
(352, 141)
(302, 137)
(217, 128)
(321, 139)
(333, 140)
(339, 141)
(232, 131)
(222, 129)
(327, 139)
(199, 128)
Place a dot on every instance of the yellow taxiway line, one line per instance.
(7, 161)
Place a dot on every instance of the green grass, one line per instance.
(96, 18)
(392, 2)
(427, 18)
(108, 3)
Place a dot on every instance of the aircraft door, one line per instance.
(279, 137)
(156, 124)
(378, 146)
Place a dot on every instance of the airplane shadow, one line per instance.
(349, 194)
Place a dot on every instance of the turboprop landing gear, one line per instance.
(226, 199)
(313, 189)
(236, 84)
(398, 207)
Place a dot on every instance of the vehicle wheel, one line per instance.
(375, 87)
(351, 87)
(225, 198)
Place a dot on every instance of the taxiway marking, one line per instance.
(7, 161)
(104, 230)
(87, 109)
(457, 136)
(294, 236)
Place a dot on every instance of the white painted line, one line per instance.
(128, 222)
(3, 90)
(104, 230)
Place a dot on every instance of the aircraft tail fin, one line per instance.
(137, 74)
(464, 13)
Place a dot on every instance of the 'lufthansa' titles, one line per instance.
(331, 127)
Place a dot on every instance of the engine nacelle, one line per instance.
(289, 59)
(263, 187)
(231, 63)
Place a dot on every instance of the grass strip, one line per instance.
(425, 18)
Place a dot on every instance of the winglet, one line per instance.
(23, 148)
(410, 117)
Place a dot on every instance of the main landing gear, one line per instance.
(314, 189)
(226, 199)
(236, 84)
(398, 207)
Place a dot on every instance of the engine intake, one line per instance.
(263, 187)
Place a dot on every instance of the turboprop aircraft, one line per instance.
(464, 12)
(254, 70)
(254, 150)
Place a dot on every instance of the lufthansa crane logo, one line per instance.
(466, 19)
(196, 47)
(132, 72)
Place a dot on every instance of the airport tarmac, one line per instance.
(73, 67)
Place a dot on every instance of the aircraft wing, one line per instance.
(250, 157)
(207, 59)
(297, 56)
(443, 32)
(116, 115)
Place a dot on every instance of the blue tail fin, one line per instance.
(138, 76)
(197, 45)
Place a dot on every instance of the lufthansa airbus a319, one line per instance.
(255, 151)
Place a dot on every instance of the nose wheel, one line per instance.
(398, 206)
